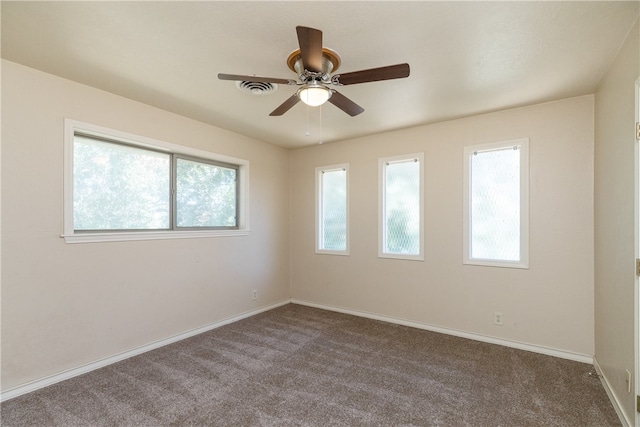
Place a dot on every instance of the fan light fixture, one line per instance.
(314, 94)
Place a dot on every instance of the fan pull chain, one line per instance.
(308, 131)
(320, 131)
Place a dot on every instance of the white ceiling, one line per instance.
(466, 58)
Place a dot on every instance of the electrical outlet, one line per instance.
(628, 381)
(497, 319)
(254, 294)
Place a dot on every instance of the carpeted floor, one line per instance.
(300, 366)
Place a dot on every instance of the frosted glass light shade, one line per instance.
(314, 95)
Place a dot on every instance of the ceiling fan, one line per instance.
(314, 64)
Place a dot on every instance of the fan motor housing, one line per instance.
(330, 62)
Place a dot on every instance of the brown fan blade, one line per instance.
(310, 41)
(286, 105)
(373, 75)
(242, 78)
(345, 104)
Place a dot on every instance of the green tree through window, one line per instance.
(119, 187)
(206, 194)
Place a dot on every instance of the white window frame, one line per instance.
(523, 148)
(319, 230)
(71, 127)
(382, 232)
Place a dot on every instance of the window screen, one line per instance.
(401, 207)
(496, 204)
(332, 217)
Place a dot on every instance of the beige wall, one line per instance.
(614, 220)
(65, 305)
(549, 305)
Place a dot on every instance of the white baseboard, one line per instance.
(612, 396)
(65, 375)
(477, 337)
(61, 376)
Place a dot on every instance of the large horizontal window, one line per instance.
(125, 187)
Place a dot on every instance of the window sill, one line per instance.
(327, 252)
(401, 256)
(501, 264)
(149, 235)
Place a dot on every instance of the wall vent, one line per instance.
(257, 88)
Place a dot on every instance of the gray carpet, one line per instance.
(300, 366)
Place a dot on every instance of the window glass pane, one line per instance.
(117, 187)
(402, 208)
(495, 205)
(206, 194)
(334, 210)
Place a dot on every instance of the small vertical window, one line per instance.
(332, 209)
(496, 204)
(401, 207)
